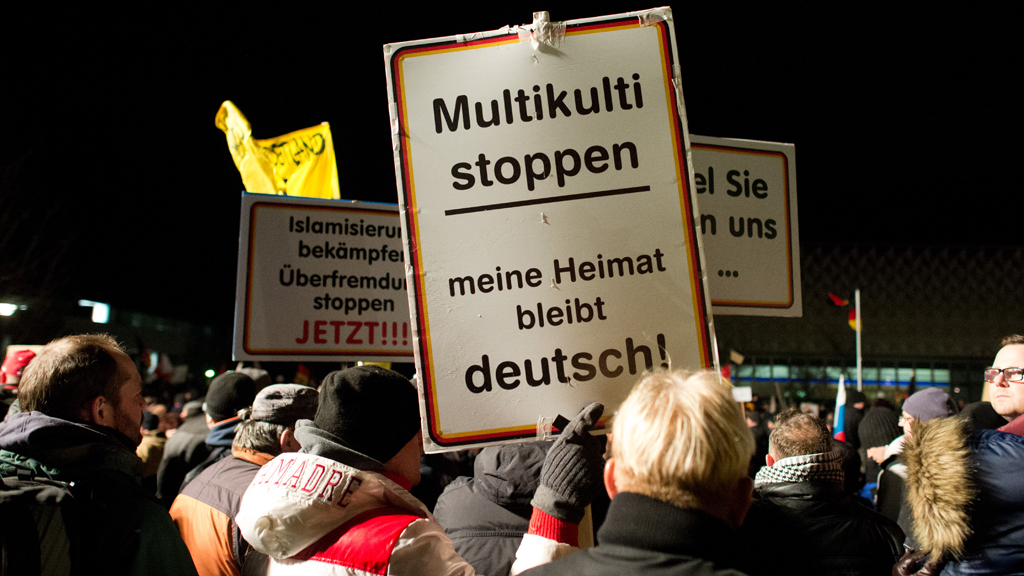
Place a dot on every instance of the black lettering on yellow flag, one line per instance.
(299, 163)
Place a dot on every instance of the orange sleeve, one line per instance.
(207, 534)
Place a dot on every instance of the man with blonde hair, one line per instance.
(677, 476)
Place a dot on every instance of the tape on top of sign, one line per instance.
(467, 38)
(543, 31)
(655, 15)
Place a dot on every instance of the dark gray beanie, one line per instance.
(372, 410)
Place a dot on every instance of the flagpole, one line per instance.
(860, 373)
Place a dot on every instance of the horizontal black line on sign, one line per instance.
(549, 200)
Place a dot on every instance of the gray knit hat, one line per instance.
(929, 404)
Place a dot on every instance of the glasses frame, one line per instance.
(998, 371)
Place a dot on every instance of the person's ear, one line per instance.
(769, 459)
(288, 441)
(98, 411)
(609, 478)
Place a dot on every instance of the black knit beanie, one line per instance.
(879, 427)
(229, 393)
(853, 397)
(372, 410)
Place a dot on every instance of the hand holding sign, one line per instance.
(571, 475)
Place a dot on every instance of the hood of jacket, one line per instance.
(509, 475)
(223, 434)
(940, 486)
(298, 498)
(322, 443)
(63, 449)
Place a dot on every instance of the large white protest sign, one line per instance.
(320, 280)
(746, 194)
(548, 208)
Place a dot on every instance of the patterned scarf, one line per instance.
(824, 467)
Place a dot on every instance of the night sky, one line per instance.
(116, 186)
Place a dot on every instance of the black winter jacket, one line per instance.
(813, 528)
(185, 450)
(645, 536)
(123, 530)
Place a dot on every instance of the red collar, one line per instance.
(398, 479)
(1015, 426)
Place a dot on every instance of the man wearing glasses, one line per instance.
(966, 490)
(1006, 378)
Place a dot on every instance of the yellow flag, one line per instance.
(300, 163)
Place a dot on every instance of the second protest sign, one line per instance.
(549, 216)
(320, 279)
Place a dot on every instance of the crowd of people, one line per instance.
(261, 478)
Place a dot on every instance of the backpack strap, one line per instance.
(40, 525)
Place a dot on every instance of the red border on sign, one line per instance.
(249, 283)
(789, 223)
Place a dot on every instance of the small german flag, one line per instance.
(837, 301)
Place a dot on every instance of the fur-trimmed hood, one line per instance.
(940, 486)
(967, 495)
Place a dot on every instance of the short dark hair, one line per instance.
(69, 373)
(257, 436)
(1011, 339)
(796, 433)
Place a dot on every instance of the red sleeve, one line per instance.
(541, 524)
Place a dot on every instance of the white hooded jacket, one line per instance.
(314, 515)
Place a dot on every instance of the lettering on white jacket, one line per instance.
(310, 475)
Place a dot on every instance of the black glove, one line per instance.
(572, 472)
(915, 564)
